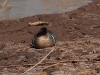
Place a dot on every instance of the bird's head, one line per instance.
(43, 31)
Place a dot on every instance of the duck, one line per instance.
(44, 38)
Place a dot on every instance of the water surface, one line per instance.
(12, 9)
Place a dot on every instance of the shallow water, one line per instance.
(12, 9)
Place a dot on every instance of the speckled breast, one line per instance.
(44, 41)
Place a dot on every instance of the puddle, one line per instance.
(12, 9)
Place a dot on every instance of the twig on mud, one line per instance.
(97, 26)
(98, 4)
(39, 23)
(51, 66)
(9, 66)
(40, 60)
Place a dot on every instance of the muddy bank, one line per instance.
(78, 44)
(76, 24)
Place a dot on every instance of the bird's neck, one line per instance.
(42, 33)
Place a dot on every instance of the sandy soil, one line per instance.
(77, 50)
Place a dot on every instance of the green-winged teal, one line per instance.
(44, 38)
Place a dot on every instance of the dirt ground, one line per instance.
(77, 50)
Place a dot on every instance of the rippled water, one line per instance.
(11, 9)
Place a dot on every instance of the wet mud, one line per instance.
(77, 50)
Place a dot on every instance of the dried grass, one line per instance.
(40, 61)
(39, 23)
(5, 6)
